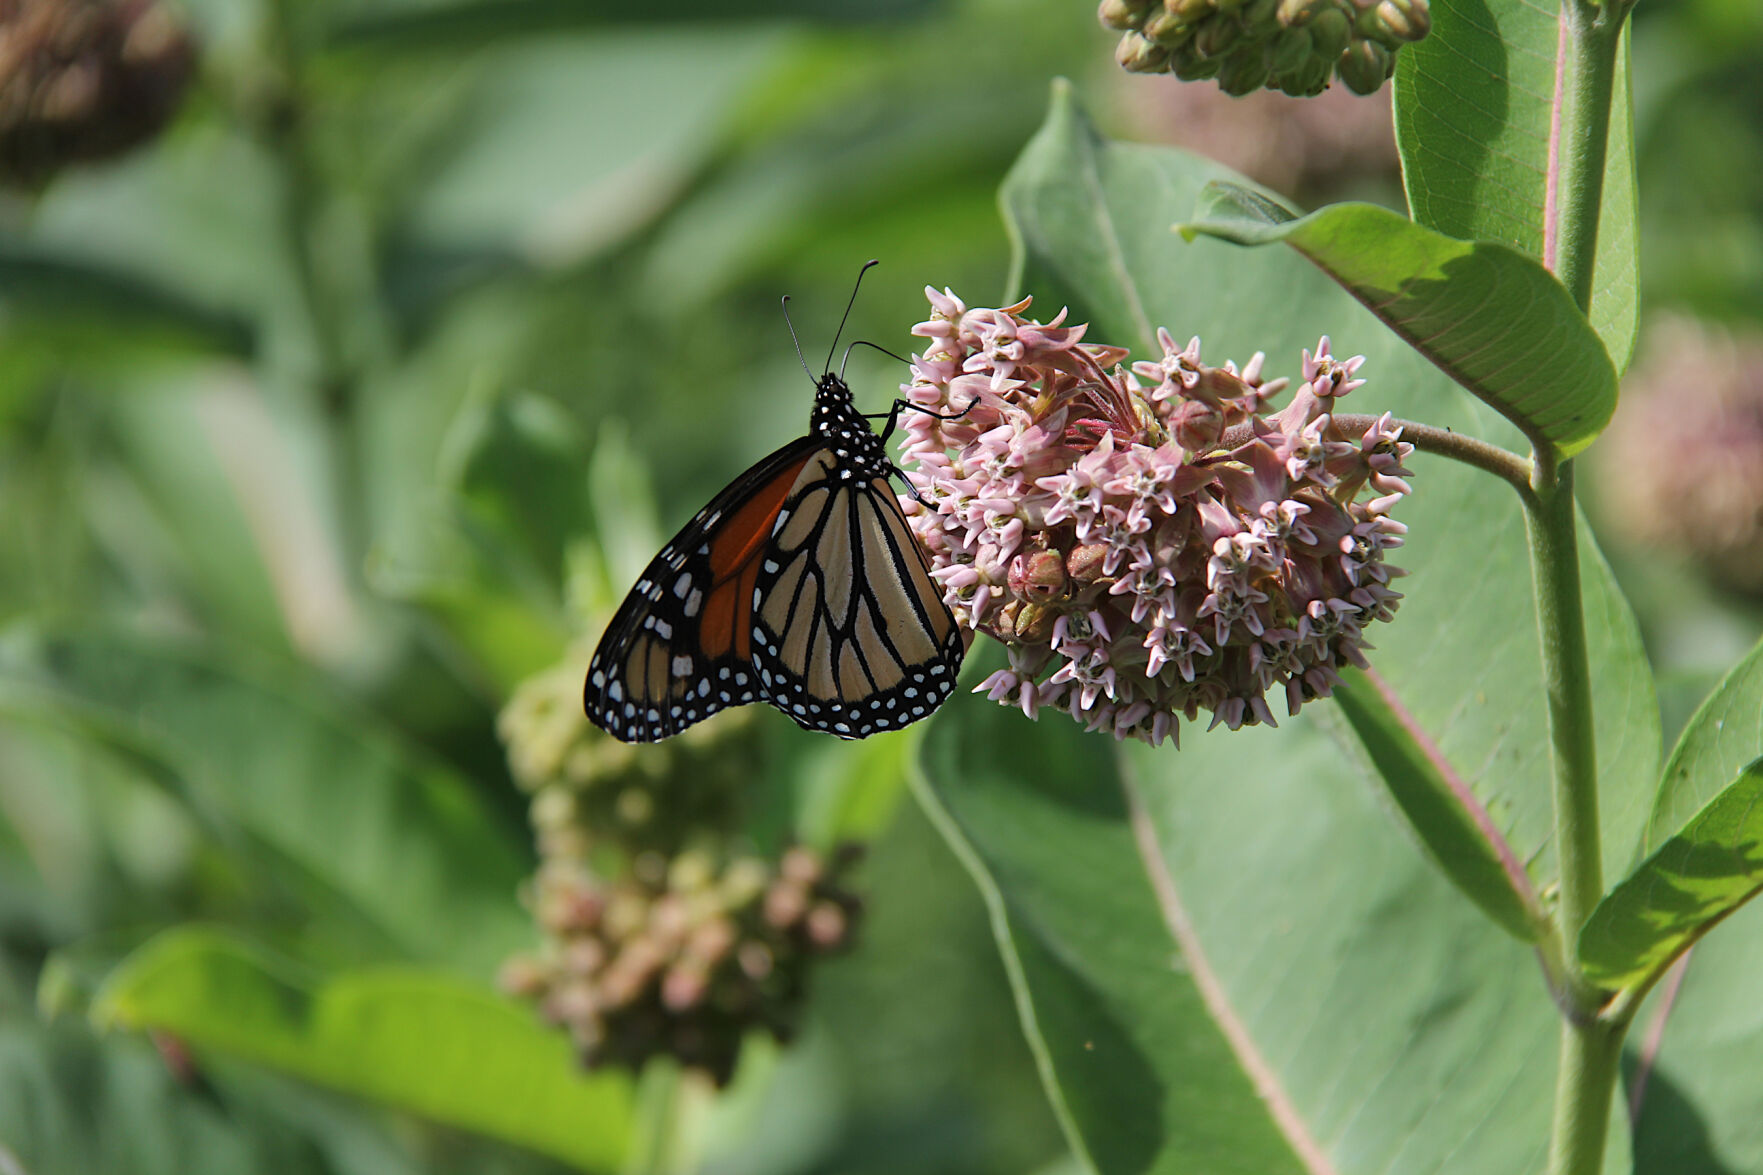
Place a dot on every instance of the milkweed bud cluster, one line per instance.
(83, 80)
(1295, 46)
(662, 931)
(590, 790)
(681, 957)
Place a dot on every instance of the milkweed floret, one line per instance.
(1148, 542)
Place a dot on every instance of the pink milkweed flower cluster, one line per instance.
(1151, 542)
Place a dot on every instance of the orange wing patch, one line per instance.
(734, 565)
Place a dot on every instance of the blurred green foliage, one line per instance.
(351, 401)
(363, 391)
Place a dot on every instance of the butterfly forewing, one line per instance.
(679, 648)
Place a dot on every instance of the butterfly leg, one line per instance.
(892, 415)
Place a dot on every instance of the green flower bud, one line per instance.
(1365, 67)
(1258, 14)
(1331, 33)
(1291, 49)
(1165, 29)
(1298, 13)
(1309, 79)
(1137, 54)
(1405, 20)
(1217, 36)
(1190, 12)
(1122, 14)
(1197, 68)
(1243, 72)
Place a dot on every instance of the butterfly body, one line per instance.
(799, 585)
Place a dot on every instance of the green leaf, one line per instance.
(1475, 110)
(71, 1104)
(1492, 318)
(97, 312)
(1695, 879)
(1461, 657)
(413, 1040)
(1716, 747)
(1451, 823)
(536, 165)
(366, 828)
(1227, 960)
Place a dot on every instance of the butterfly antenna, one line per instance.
(867, 343)
(794, 339)
(859, 285)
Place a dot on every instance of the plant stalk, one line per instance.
(1585, 1082)
(1591, 1048)
(1590, 39)
(1554, 547)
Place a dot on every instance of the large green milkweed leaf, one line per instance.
(1475, 110)
(1227, 960)
(1460, 662)
(1493, 319)
(367, 829)
(414, 1040)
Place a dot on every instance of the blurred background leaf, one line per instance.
(353, 399)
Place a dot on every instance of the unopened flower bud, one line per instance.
(1165, 29)
(1197, 426)
(1404, 20)
(1310, 78)
(785, 902)
(1139, 54)
(1365, 67)
(1188, 11)
(1217, 36)
(1084, 564)
(683, 985)
(1243, 72)
(755, 959)
(1188, 65)
(711, 940)
(1291, 49)
(801, 865)
(584, 955)
(1122, 14)
(571, 1002)
(1038, 576)
(1330, 34)
(1034, 623)
(826, 925)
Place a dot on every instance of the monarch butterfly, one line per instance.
(800, 584)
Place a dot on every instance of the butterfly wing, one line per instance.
(680, 646)
(850, 632)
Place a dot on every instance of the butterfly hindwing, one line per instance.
(679, 648)
(851, 634)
